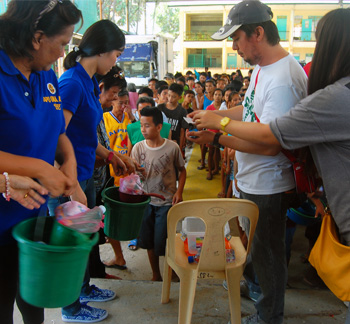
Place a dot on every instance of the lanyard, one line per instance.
(256, 82)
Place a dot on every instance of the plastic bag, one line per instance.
(79, 217)
(131, 185)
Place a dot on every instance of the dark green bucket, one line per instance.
(51, 275)
(122, 220)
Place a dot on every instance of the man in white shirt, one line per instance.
(277, 84)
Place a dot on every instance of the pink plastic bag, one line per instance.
(79, 217)
(131, 185)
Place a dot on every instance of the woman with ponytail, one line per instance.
(97, 53)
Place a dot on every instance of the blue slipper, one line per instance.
(133, 245)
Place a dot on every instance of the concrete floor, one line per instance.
(139, 298)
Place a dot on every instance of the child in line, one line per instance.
(208, 100)
(214, 153)
(175, 113)
(189, 98)
(162, 159)
(234, 99)
(199, 99)
(162, 95)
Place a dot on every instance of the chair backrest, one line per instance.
(215, 213)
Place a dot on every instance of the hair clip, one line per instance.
(120, 74)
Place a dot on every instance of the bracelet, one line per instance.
(109, 158)
(7, 194)
(216, 140)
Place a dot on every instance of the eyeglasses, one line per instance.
(49, 7)
(120, 75)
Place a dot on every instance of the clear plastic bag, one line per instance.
(131, 185)
(77, 216)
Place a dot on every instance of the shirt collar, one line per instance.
(6, 64)
(92, 84)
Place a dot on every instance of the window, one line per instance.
(201, 58)
(297, 27)
(282, 27)
(201, 27)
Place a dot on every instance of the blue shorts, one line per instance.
(153, 231)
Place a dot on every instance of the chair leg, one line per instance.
(188, 282)
(233, 284)
(166, 282)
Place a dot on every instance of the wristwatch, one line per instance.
(216, 140)
(224, 122)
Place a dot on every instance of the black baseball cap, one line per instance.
(244, 13)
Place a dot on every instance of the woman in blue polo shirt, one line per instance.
(32, 37)
(99, 48)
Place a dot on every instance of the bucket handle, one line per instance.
(40, 225)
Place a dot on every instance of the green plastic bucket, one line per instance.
(51, 275)
(122, 220)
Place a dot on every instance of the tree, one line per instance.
(116, 10)
(168, 19)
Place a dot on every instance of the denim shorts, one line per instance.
(153, 233)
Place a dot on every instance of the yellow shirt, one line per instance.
(118, 137)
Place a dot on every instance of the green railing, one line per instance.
(197, 36)
(203, 60)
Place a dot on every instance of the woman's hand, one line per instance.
(55, 181)
(118, 165)
(201, 137)
(27, 192)
(131, 166)
(69, 169)
(79, 195)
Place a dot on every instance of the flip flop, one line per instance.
(133, 245)
(201, 167)
(116, 266)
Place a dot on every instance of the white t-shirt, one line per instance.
(223, 106)
(160, 164)
(280, 86)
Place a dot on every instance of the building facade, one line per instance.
(296, 24)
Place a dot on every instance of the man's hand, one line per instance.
(202, 137)
(207, 119)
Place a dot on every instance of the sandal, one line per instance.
(201, 167)
(132, 246)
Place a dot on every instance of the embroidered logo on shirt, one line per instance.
(51, 88)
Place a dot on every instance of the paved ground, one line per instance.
(139, 299)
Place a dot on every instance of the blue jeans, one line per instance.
(89, 189)
(269, 254)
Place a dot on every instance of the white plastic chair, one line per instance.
(212, 262)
